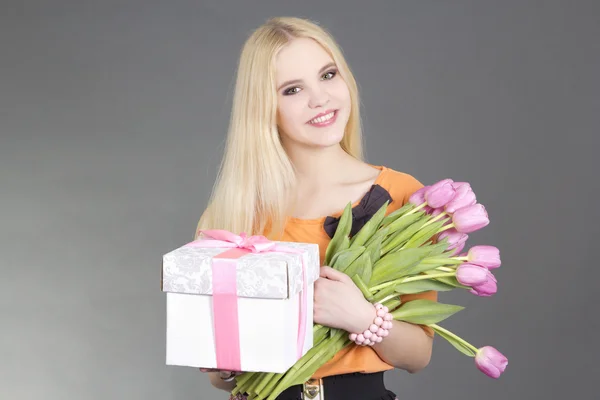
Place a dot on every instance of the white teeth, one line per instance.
(322, 119)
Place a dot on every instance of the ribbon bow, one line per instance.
(223, 238)
(362, 212)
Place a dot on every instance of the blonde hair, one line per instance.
(256, 179)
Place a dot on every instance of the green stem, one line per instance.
(436, 218)
(417, 208)
(454, 336)
(363, 288)
(451, 260)
(446, 269)
(444, 228)
(411, 279)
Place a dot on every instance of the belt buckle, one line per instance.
(313, 389)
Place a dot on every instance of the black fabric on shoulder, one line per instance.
(362, 212)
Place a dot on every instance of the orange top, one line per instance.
(400, 186)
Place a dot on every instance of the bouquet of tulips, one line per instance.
(414, 249)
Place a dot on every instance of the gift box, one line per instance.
(239, 303)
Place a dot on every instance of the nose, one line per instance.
(318, 98)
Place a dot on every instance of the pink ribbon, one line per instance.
(225, 310)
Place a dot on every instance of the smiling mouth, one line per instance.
(324, 118)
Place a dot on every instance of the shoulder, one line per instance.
(400, 185)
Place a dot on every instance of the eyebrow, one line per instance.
(294, 81)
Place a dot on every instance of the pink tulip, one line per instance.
(471, 274)
(470, 218)
(490, 361)
(458, 248)
(488, 288)
(418, 197)
(459, 184)
(486, 256)
(440, 193)
(436, 211)
(464, 197)
(455, 238)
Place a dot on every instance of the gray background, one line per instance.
(112, 121)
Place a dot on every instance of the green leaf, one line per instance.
(393, 216)
(357, 264)
(394, 265)
(405, 232)
(425, 234)
(457, 345)
(422, 286)
(366, 271)
(342, 259)
(425, 312)
(370, 227)
(381, 234)
(363, 287)
(374, 250)
(383, 293)
(342, 231)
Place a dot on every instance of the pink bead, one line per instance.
(380, 313)
(385, 309)
(385, 333)
(371, 344)
(360, 338)
(367, 342)
(378, 306)
(353, 336)
(388, 317)
(373, 328)
(368, 334)
(389, 325)
(378, 321)
(380, 332)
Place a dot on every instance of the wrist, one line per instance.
(363, 318)
(377, 330)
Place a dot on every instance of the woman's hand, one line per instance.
(223, 374)
(339, 303)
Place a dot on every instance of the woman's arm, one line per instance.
(407, 347)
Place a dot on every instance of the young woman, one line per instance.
(293, 161)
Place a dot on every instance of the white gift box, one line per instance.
(265, 287)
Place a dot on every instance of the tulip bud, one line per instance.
(458, 248)
(488, 288)
(490, 361)
(470, 218)
(454, 237)
(471, 274)
(464, 197)
(418, 197)
(440, 193)
(486, 256)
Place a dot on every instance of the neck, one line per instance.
(320, 167)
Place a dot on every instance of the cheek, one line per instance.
(289, 114)
(341, 92)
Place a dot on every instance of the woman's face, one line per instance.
(313, 101)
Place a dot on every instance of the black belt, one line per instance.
(336, 387)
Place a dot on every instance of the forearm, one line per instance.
(219, 383)
(407, 347)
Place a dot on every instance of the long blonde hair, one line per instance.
(256, 179)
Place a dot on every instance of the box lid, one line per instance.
(275, 275)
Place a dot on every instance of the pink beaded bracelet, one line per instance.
(379, 329)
